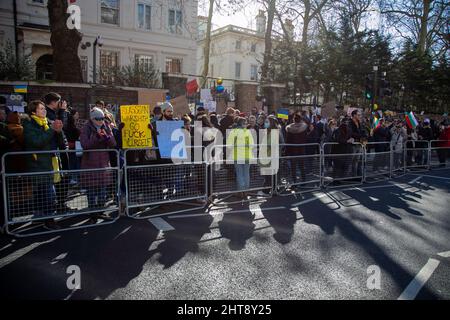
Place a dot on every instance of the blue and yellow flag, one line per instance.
(21, 89)
(283, 114)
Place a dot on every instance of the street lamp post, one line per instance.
(98, 42)
(374, 96)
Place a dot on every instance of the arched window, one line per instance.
(44, 67)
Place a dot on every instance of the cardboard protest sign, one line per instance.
(136, 133)
(171, 144)
(180, 105)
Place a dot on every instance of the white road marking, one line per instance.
(419, 280)
(161, 224)
(221, 212)
(435, 177)
(444, 254)
(415, 180)
(19, 253)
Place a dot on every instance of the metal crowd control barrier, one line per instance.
(300, 169)
(439, 153)
(224, 175)
(35, 201)
(417, 155)
(342, 167)
(156, 187)
(377, 163)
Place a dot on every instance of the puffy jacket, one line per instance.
(296, 134)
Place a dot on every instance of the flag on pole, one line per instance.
(376, 122)
(191, 87)
(411, 121)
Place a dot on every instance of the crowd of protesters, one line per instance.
(51, 125)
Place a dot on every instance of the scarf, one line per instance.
(43, 122)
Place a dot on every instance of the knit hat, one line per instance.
(96, 113)
(165, 106)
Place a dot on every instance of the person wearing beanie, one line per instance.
(167, 110)
(97, 134)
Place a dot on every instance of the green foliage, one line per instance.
(132, 75)
(12, 69)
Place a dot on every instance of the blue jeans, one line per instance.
(44, 198)
(242, 176)
(96, 196)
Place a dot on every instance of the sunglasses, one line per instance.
(99, 119)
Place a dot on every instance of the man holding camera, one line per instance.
(57, 109)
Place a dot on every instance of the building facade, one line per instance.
(161, 32)
(235, 53)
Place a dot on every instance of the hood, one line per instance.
(297, 127)
(13, 118)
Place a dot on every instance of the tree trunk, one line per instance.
(422, 45)
(65, 42)
(268, 42)
(207, 47)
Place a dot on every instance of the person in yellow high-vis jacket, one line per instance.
(240, 143)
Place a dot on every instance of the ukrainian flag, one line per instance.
(283, 114)
(21, 89)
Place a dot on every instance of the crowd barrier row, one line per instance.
(139, 186)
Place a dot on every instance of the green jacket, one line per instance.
(37, 139)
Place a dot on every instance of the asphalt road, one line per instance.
(312, 246)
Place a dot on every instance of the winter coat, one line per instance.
(357, 132)
(397, 141)
(381, 135)
(296, 134)
(445, 135)
(37, 139)
(342, 134)
(15, 163)
(91, 140)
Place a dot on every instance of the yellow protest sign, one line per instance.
(135, 133)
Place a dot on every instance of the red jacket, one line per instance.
(445, 135)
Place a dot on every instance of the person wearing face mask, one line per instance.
(240, 143)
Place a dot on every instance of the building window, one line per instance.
(173, 65)
(84, 68)
(254, 72)
(110, 11)
(144, 16)
(253, 47)
(237, 70)
(175, 21)
(44, 67)
(109, 60)
(238, 44)
(144, 61)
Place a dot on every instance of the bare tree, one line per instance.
(353, 10)
(207, 47)
(423, 22)
(65, 42)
